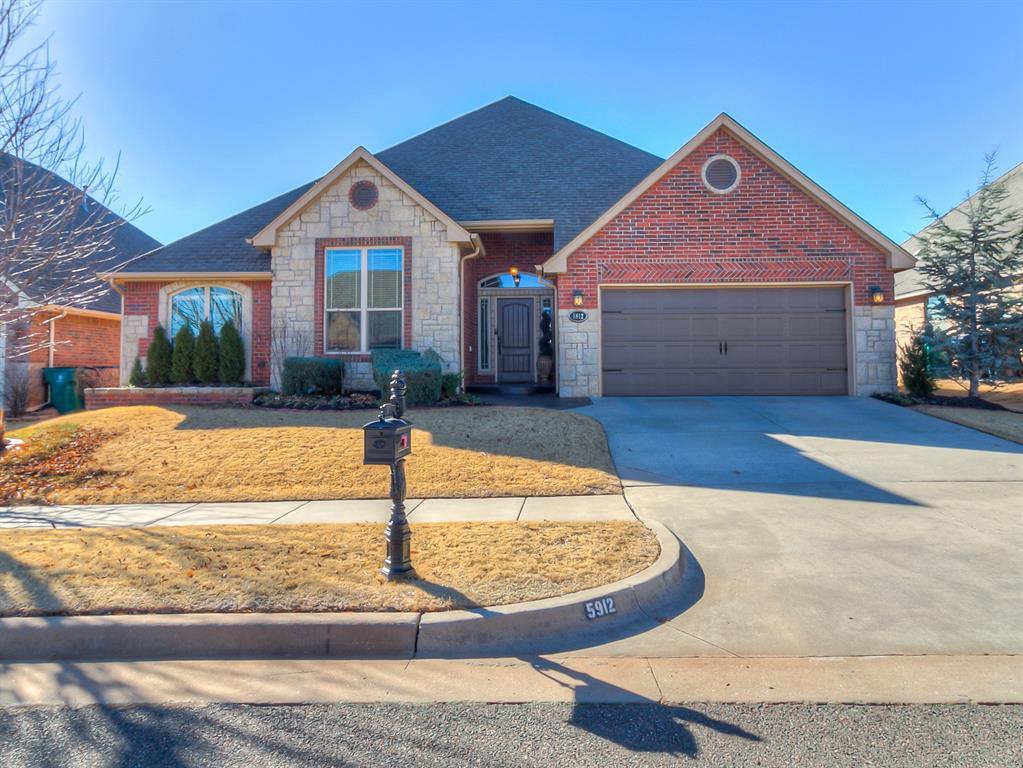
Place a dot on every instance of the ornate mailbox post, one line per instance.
(388, 440)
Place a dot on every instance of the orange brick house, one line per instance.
(82, 334)
(721, 270)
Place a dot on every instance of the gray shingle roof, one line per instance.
(128, 241)
(910, 281)
(507, 160)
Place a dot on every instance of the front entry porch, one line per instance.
(514, 335)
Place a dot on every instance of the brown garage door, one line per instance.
(724, 341)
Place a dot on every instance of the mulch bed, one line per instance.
(353, 401)
(942, 400)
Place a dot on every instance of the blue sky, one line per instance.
(215, 107)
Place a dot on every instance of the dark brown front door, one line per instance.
(515, 340)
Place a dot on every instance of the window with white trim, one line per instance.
(484, 333)
(363, 305)
(205, 302)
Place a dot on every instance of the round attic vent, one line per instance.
(721, 174)
(363, 195)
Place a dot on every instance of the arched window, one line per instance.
(507, 280)
(205, 302)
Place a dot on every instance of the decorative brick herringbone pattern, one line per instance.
(766, 230)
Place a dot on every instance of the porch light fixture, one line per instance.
(514, 272)
(876, 294)
(577, 298)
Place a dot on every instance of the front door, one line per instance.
(515, 340)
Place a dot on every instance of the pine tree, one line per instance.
(137, 377)
(976, 319)
(915, 366)
(232, 354)
(158, 358)
(181, 359)
(206, 362)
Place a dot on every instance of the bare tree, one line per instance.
(287, 340)
(56, 226)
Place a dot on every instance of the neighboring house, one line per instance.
(912, 296)
(722, 270)
(78, 334)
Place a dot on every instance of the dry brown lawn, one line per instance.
(152, 454)
(1007, 424)
(249, 568)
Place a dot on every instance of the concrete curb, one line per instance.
(210, 636)
(534, 627)
(557, 623)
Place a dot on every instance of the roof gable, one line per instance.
(267, 236)
(512, 160)
(897, 257)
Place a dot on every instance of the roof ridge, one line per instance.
(517, 100)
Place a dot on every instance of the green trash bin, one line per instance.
(63, 389)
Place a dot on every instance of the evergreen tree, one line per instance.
(137, 377)
(232, 354)
(916, 368)
(206, 362)
(181, 359)
(158, 358)
(976, 320)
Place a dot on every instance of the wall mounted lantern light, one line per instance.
(876, 294)
(514, 272)
(577, 298)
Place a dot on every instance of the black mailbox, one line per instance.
(386, 440)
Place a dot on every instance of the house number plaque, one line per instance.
(596, 609)
(577, 316)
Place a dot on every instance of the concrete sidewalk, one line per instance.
(556, 508)
(874, 680)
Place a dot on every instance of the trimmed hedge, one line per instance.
(312, 376)
(137, 377)
(232, 354)
(158, 358)
(422, 374)
(181, 359)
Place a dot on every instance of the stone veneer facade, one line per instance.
(432, 317)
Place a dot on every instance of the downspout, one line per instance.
(478, 242)
(51, 342)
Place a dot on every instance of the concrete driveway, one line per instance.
(825, 526)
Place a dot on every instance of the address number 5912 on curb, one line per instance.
(596, 609)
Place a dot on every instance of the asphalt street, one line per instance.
(580, 735)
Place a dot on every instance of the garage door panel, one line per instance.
(780, 341)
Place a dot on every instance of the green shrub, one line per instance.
(206, 361)
(312, 376)
(422, 374)
(232, 354)
(915, 366)
(449, 384)
(158, 358)
(181, 359)
(137, 377)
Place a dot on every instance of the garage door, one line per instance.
(724, 341)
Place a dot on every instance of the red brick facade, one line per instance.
(503, 250)
(766, 230)
(143, 298)
(318, 289)
(108, 398)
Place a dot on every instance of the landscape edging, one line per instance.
(532, 627)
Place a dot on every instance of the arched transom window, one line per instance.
(507, 280)
(205, 302)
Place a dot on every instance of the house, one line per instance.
(721, 270)
(53, 328)
(913, 298)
